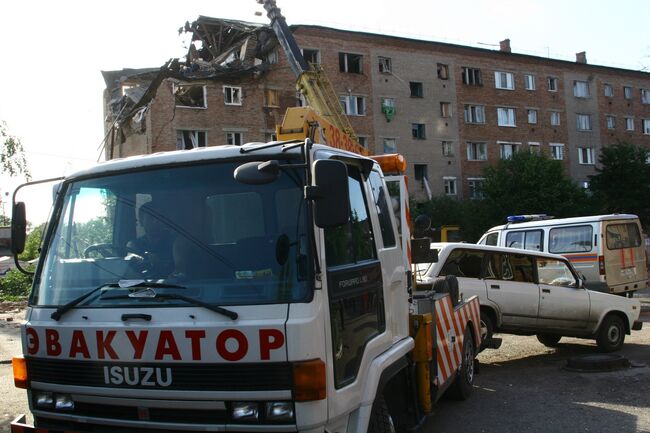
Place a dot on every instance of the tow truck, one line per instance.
(276, 295)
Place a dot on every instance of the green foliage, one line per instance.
(530, 183)
(622, 182)
(12, 154)
(96, 231)
(15, 285)
(33, 243)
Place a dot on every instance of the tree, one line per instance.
(33, 244)
(530, 183)
(12, 154)
(622, 182)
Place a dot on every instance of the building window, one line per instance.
(186, 139)
(450, 185)
(645, 96)
(608, 90)
(363, 141)
(232, 95)
(417, 90)
(627, 92)
(555, 118)
(420, 171)
(507, 149)
(506, 117)
(443, 71)
(447, 148)
(417, 131)
(445, 109)
(552, 84)
(629, 123)
(534, 147)
(235, 138)
(586, 155)
(557, 151)
(311, 56)
(529, 82)
(351, 63)
(580, 89)
(532, 116)
(390, 145)
(583, 122)
(272, 57)
(610, 121)
(476, 151)
(645, 124)
(271, 98)
(472, 76)
(475, 184)
(385, 65)
(504, 80)
(474, 114)
(353, 105)
(190, 96)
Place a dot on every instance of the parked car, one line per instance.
(532, 293)
(607, 249)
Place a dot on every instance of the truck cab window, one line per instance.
(352, 242)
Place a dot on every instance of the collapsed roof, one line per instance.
(219, 49)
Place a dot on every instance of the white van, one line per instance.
(607, 249)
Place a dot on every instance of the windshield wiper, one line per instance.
(120, 284)
(150, 293)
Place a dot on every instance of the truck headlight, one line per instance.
(63, 402)
(245, 411)
(43, 399)
(279, 411)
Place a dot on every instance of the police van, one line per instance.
(607, 249)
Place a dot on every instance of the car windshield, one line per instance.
(193, 226)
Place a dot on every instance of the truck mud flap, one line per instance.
(494, 343)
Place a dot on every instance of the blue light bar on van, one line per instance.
(531, 217)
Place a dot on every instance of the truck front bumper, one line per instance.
(19, 425)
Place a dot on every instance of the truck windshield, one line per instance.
(193, 226)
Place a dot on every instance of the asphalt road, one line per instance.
(522, 388)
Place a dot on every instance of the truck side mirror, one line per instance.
(18, 228)
(421, 251)
(329, 193)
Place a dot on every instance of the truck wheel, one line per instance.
(380, 419)
(611, 334)
(463, 385)
(487, 329)
(549, 340)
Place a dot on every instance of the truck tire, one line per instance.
(487, 329)
(380, 419)
(611, 334)
(549, 340)
(463, 386)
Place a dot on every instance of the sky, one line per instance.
(53, 52)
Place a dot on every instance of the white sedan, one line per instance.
(532, 293)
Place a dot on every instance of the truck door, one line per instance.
(512, 287)
(562, 305)
(356, 297)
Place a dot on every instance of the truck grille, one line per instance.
(184, 376)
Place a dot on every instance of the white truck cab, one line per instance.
(259, 288)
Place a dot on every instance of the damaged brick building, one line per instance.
(450, 109)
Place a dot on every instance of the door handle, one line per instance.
(546, 290)
(494, 286)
